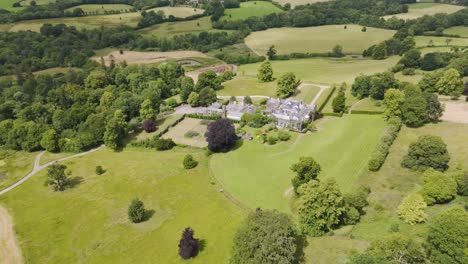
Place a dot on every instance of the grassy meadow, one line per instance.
(101, 8)
(15, 166)
(250, 9)
(319, 39)
(178, 11)
(341, 146)
(300, 2)
(421, 9)
(307, 93)
(88, 223)
(460, 30)
(424, 41)
(169, 29)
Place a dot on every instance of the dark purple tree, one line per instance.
(149, 125)
(221, 135)
(188, 245)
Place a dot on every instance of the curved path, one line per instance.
(37, 167)
(9, 250)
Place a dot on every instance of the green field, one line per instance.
(318, 70)
(101, 9)
(341, 146)
(161, 125)
(247, 85)
(421, 9)
(89, 224)
(320, 39)
(177, 133)
(176, 28)
(250, 9)
(15, 166)
(307, 93)
(8, 5)
(299, 2)
(178, 11)
(423, 41)
(460, 30)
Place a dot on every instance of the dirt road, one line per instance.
(10, 252)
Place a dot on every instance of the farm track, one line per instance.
(10, 252)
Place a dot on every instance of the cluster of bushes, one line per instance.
(203, 93)
(239, 58)
(152, 18)
(448, 82)
(383, 148)
(155, 142)
(203, 117)
(256, 120)
(189, 162)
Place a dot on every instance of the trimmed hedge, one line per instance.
(364, 112)
(383, 148)
(203, 117)
(164, 131)
(333, 114)
(324, 103)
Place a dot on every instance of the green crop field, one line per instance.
(101, 9)
(423, 41)
(88, 223)
(320, 39)
(317, 70)
(178, 11)
(421, 9)
(460, 30)
(250, 9)
(341, 146)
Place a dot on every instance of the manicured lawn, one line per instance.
(89, 224)
(421, 9)
(15, 166)
(320, 70)
(392, 183)
(259, 175)
(250, 9)
(460, 30)
(248, 85)
(177, 28)
(161, 125)
(368, 104)
(177, 133)
(423, 41)
(320, 39)
(178, 11)
(307, 93)
(103, 8)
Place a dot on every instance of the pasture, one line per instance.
(259, 175)
(320, 70)
(88, 223)
(247, 85)
(250, 9)
(8, 5)
(180, 132)
(102, 9)
(299, 2)
(421, 9)
(307, 93)
(15, 165)
(169, 29)
(319, 39)
(460, 30)
(424, 41)
(178, 11)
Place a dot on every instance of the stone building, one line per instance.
(290, 114)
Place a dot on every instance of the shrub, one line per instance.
(149, 126)
(306, 169)
(462, 182)
(100, 170)
(272, 140)
(284, 136)
(189, 162)
(411, 210)
(164, 144)
(427, 152)
(188, 245)
(438, 188)
(191, 134)
(355, 203)
(408, 71)
(221, 135)
(136, 211)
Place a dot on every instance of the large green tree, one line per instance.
(427, 152)
(397, 248)
(339, 102)
(447, 239)
(438, 187)
(411, 209)
(56, 177)
(320, 206)
(287, 85)
(451, 84)
(147, 111)
(265, 72)
(50, 140)
(306, 169)
(265, 236)
(116, 130)
(393, 100)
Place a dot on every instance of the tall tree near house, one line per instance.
(287, 85)
(393, 100)
(221, 135)
(339, 102)
(265, 72)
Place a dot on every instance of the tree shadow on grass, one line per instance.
(238, 145)
(201, 245)
(148, 215)
(75, 181)
(302, 243)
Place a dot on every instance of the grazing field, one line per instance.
(102, 9)
(178, 11)
(424, 41)
(138, 57)
(250, 9)
(14, 166)
(307, 93)
(88, 223)
(176, 28)
(248, 85)
(421, 9)
(127, 19)
(179, 133)
(426, 50)
(320, 70)
(392, 183)
(320, 39)
(259, 175)
(460, 30)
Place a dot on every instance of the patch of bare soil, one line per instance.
(219, 69)
(9, 251)
(138, 57)
(456, 111)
